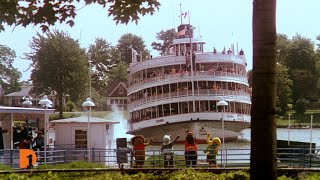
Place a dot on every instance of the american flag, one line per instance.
(184, 15)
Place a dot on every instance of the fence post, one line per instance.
(131, 158)
(11, 157)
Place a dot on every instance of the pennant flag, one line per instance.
(184, 15)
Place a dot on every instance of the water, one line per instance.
(301, 135)
(120, 129)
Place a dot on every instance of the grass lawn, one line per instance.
(303, 120)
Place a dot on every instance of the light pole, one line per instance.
(88, 103)
(222, 103)
(311, 134)
(27, 103)
(289, 130)
(46, 103)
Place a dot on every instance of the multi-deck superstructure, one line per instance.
(178, 92)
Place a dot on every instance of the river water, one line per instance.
(301, 135)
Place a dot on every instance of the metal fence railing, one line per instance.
(114, 158)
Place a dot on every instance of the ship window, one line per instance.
(80, 139)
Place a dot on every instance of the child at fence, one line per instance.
(167, 151)
(212, 150)
(190, 153)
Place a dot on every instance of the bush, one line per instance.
(301, 106)
(70, 106)
(314, 105)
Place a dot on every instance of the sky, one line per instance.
(219, 22)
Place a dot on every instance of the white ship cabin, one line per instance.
(186, 83)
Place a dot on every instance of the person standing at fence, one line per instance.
(167, 151)
(212, 150)
(190, 153)
(38, 142)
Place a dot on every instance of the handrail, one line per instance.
(154, 158)
(187, 77)
(187, 93)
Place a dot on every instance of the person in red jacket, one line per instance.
(190, 153)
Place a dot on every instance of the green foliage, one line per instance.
(237, 175)
(309, 176)
(167, 38)
(60, 66)
(55, 116)
(157, 161)
(5, 167)
(184, 174)
(190, 174)
(103, 57)
(47, 13)
(130, 40)
(284, 91)
(9, 76)
(301, 106)
(72, 165)
(70, 106)
(119, 73)
(283, 177)
(314, 105)
(300, 58)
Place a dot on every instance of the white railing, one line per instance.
(172, 97)
(185, 77)
(173, 60)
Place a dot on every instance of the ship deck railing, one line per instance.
(115, 158)
(241, 95)
(179, 75)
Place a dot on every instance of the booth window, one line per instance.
(80, 139)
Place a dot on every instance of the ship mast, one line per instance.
(191, 62)
(181, 15)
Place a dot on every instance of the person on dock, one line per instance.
(167, 151)
(190, 153)
(212, 150)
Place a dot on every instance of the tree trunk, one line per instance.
(60, 107)
(263, 128)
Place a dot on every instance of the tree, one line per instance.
(103, 57)
(47, 13)
(60, 67)
(301, 61)
(263, 164)
(9, 76)
(128, 41)
(284, 91)
(119, 73)
(282, 47)
(167, 38)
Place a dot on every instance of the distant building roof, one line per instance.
(25, 90)
(84, 119)
(114, 85)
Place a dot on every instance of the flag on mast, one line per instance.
(184, 15)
